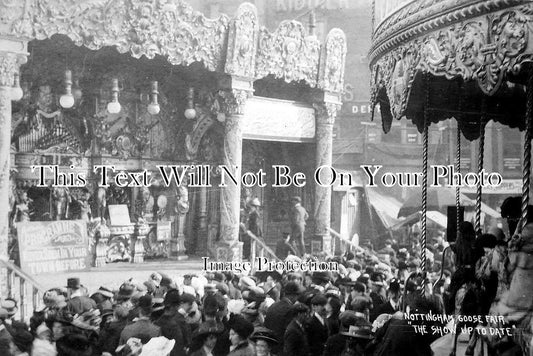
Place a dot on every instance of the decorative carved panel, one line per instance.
(332, 61)
(288, 53)
(486, 50)
(242, 42)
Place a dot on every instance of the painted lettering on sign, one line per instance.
(53, 246)
(298, 5)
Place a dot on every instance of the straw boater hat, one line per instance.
(160, 346)
(105, 292)
(359, 332)
(9, 305)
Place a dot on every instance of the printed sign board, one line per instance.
(53, 246)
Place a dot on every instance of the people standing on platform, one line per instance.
(298, 217)
(284, 247)
(253, 225)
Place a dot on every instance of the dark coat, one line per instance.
(278, 317)
(317, 335)
(110, 336)
(79, 305)
(385, 308)
(398, 338)
(295, 341)
(334, 345)
(243, 349)
(5, 339)
(174, 327)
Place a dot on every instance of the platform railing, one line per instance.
(24, 289)
(345, 243)
(258, 247)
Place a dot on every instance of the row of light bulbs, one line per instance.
(67, 100)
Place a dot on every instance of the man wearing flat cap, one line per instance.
(317, 328)
(295, 341)
(173, 324)
(278, 316)
(141, 325)
(298, 217)
(253, 225)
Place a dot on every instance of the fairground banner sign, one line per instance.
(53, 246)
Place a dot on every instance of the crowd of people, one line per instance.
(363, 308)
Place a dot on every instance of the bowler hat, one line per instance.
(126, 291)
(293, 288)
(172, 298)
(296, 199)
(241, 326)
(73, 283)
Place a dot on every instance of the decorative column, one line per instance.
(177, 245)
(201, 246)
(229, 248)
(12, 55)
(325, 118)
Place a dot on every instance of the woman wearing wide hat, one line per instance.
(265, 341)
(205, 338)
(240, 331)
(358, 337)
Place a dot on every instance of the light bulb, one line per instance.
(76, 90)
(16, 93)
(153, 109)
(190, 114)
(66, 101)
(114, 107)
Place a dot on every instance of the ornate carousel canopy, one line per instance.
(236, 46)
(465, 59)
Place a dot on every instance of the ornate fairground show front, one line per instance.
(139, 84)
(468, 60)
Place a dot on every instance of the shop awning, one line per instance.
(385, 206)
(435, 216)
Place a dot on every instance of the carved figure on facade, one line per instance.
(61, 200)
(23, 207)
(288, 53)
(145, 204)
(101, 202)
(332, 62)
(182, 203)
(82, 199)
(242, 42)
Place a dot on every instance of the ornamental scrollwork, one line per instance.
(326, 112)
(509, 36)
(9, 66)
(170, 28)
(233, 101)
(484, 49)
(332, 62)
(288, 53)
(242, 42)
